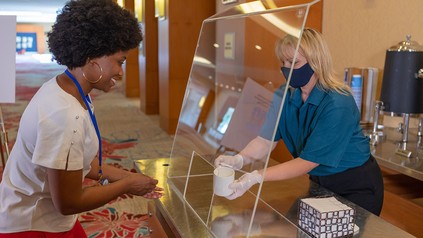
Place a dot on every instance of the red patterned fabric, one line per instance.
(110, 223)
(76, 232)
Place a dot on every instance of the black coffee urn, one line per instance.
(402, 85)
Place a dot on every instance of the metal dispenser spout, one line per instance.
(376, 136)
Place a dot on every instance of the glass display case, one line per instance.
(235, 79)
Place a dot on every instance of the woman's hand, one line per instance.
(140, 184)
(70, 197)
(156, 193)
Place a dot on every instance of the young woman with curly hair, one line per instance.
(58, 142)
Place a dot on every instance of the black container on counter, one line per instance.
(402, 85)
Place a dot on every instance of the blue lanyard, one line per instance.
(87, 99)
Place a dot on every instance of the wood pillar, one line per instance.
(131, 76)
(148, 61)
(178, 35)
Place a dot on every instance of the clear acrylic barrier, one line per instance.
(233, 80)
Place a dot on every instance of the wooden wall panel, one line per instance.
(148, 61)
(178, 35)
(131, 76)
(400, 206)
(164, 87)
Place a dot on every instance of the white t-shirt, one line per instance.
(56, 132)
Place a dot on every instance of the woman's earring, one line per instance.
(101, 75)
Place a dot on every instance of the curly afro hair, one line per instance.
(86, 29)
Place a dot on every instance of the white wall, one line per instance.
(7, 58)
(359, 32)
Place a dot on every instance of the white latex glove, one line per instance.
(236, 161)
(245, 182)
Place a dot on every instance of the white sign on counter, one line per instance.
(248, 117)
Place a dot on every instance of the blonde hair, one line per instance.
(315, 50)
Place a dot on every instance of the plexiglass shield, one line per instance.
(234, 84)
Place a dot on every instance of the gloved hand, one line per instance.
(245, 182)
(236, 161)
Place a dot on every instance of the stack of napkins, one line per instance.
(326, 217)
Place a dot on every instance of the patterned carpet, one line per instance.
(127, 135)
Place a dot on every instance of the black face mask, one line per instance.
(300, 76)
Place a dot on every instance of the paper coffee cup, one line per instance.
(223, 176)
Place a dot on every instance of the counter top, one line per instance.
(385, 153)
(276, 211)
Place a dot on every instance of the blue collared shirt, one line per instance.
(325, 129)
